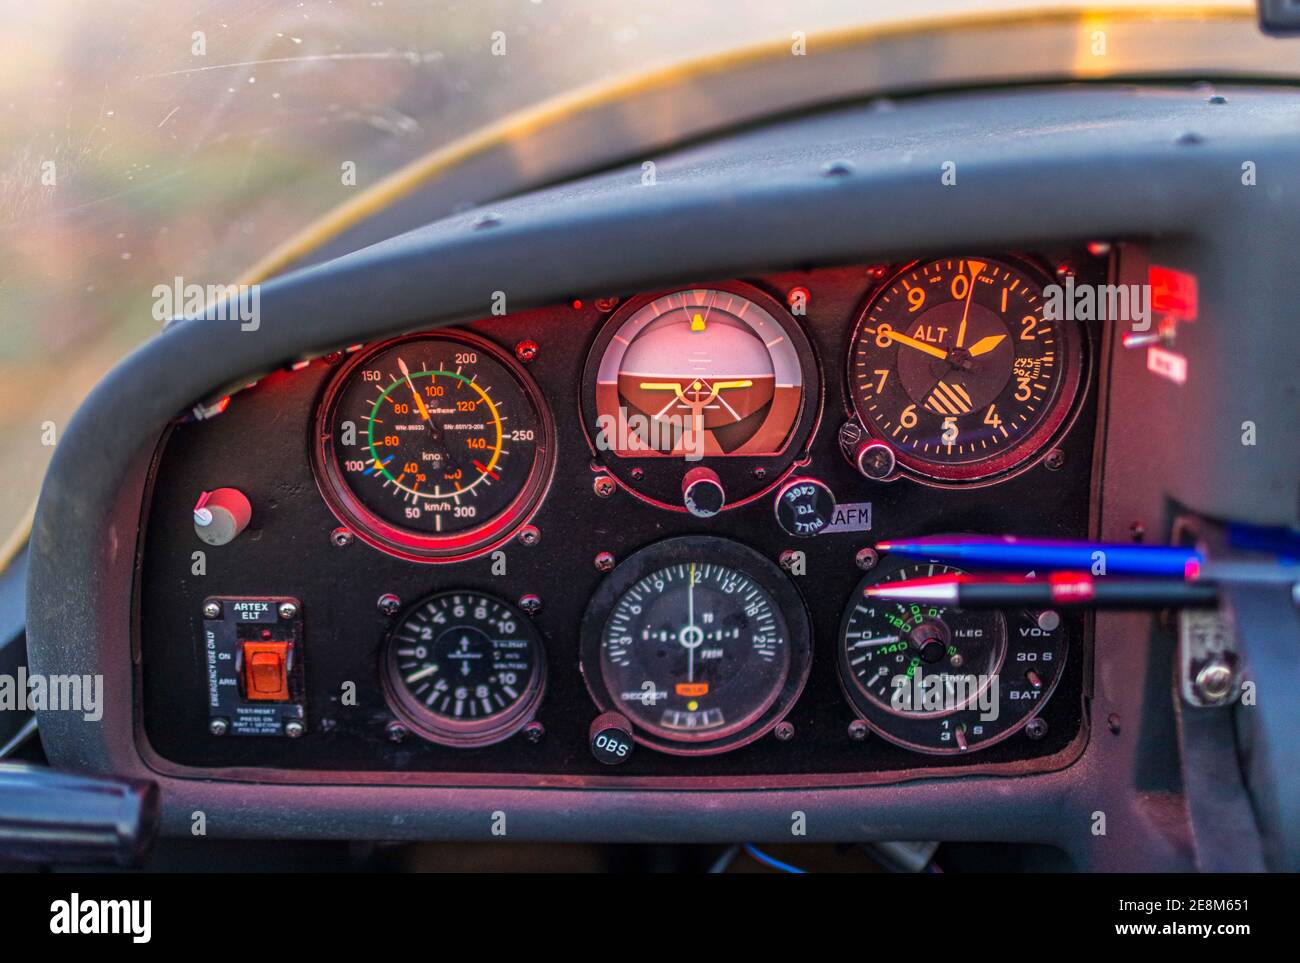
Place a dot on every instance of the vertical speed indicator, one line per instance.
(958, 368)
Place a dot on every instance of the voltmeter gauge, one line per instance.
(464, 669)
(702, 643)
(942, 680)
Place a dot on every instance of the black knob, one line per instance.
(611, 738)
(804, 506)
(875, 460)
(702, 492)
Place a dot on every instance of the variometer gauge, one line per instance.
(958, 369)
(719, 378)
(433, 447)
(464, 669)
(702, 643)
(942, 680)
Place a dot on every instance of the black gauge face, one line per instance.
(888, 644)
(954, 366)
(697, 642)
(942, 680)
(464, 668)
(720, 376)
(433, 446)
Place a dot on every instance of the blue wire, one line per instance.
(772, 861)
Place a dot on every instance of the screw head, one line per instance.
(396, 732)
(530, 604)
(389, 604)
(287, 610)
(1113, 723)
(867, 559)
(858, 730)
(1054, 460)
(218, 727)
(1214, 681)
(606, 304)
(760, 473)
(526, 351)
(533, 732)
(341, 537)
(529, 535)
(787, 559)
(605, 562)
(212, 610)
(603, 486)
(294, 729)
(1036, 728)
(784, 731)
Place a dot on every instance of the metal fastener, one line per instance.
(867, 559)
(529, 535)
(341, 537)
(212, 610)
(389, 604)
(287, 610)
(294, 729)
(534, 731)
(1214, 681)
(531, 604)
(396, 732)
(784, 731)
(858, 730)
(1036, 728)
(605, 562)
(603, 486)
(218, 727)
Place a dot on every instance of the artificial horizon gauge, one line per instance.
(433, 447)
(941, 680)
(718, 377)
(464, 669)
(955, 367)
(702, 643)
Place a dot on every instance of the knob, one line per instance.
(804, 506)
(220, 515)
(611, 738)
(875, 460)
(702, 492)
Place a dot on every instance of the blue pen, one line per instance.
(1009, 552)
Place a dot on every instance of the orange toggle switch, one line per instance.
(266, 671)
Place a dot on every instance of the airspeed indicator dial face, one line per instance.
(955, 365)
(433, 446)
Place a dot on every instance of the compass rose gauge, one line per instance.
(941, 680)
(955, 367)
(433, 447)
(718, 376)
(702, 643)
(463, 668)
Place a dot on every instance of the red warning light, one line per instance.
(1173, 293)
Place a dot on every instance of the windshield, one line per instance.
(150, 141)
